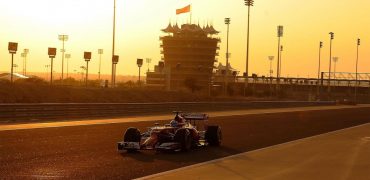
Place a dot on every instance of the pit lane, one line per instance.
(85, 152)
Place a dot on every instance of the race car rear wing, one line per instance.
(195, 116)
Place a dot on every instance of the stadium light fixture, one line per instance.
(115, 60)
(52, 52)
(87, 57)
(12, 47)
(139, 63)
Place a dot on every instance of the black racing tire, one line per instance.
(213, 135)
(132, 135)
(183, 136)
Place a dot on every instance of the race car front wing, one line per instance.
(128, 145)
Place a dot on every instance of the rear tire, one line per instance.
(183, 137)
(213, 135)
(132, 135)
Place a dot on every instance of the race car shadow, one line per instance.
(193, 156)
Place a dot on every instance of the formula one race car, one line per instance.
(182, 134)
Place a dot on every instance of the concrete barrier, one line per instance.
(52, 111)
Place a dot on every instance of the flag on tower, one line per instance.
(185, 9)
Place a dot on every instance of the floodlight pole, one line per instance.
(12, 47)
(356, 86)
(25, 51)
(113, 47)
(115, 74)
(67, 66)
(68, 56)
(24, 56)
(87, 57)
(271, 58)
(139, 63)
(248, 3)
(11, 72)
(331, 44)
(24, 64)
(100, 52)
(335, 60)
(63, 62)
(281, 61)
(112, 80)
(280, 34)
(271, 68)
(23, 59)
(51, 71)
(139, 75)
(227, 22)
(63, 38)
(319, 69)
(114, 63)
(99, 66)
(52, 54)
(87, 70)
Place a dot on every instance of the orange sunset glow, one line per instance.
(184, 89)
(36, 24)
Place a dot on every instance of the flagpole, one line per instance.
(190, 17)
(191, 12)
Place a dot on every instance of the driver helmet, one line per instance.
(179, 119)
(174, 123)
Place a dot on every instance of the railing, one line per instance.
(46, 112)
(305, 81)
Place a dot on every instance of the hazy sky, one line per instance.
(35, 24)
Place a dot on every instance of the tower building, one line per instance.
(188, 56)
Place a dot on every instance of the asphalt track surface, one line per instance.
(342, 154)
(87, 152)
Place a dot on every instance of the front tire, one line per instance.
(132, 135)
(213, 135)
(183, 137)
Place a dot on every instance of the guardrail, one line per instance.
(54, 111)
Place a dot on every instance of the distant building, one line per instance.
(220, 74)
(189, 54)
(158, 77)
